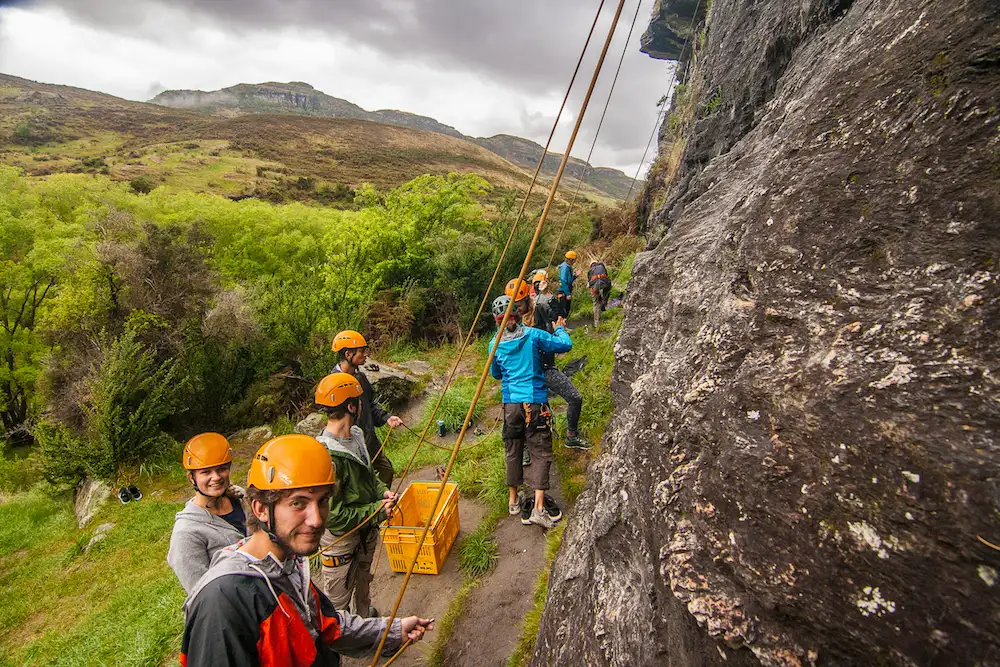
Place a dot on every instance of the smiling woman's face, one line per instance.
(212, 482)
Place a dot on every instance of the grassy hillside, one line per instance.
(47, 129)
(298, 98)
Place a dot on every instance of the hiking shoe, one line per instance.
(134, 491)
(514, 508)
(525, 459)
(552, 509)
(123, 495)
(541, 519)
(576, 442)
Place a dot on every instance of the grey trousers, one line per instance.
(342, 582)
(560, 385)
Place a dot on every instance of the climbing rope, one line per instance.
(659, 116)
(503, 254)
(448, 449)
(989, 544)
(503, 323)
(597, 134)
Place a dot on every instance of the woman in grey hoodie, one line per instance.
(214, 518)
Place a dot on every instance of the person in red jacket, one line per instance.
(256, 605)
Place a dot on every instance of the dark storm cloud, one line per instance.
(530, 42)
(527, 46)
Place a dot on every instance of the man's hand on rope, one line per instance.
(414, 627)
(389, 501)
(394, 421)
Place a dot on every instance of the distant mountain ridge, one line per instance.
(301, 98)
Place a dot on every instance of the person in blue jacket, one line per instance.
(526, 415)
(566, 277)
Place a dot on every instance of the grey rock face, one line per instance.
(805, 446)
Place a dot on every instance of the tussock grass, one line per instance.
(478, 552)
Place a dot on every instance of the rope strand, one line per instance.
(593, 145)
(482, 379)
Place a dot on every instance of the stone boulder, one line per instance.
(90, 496)
(99, 535)
(806, 441)
(312, 425)
(392, 386)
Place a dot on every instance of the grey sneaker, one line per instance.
(541, 518)
(515, 508)
(576, 442)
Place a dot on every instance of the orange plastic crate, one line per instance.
(402, 533)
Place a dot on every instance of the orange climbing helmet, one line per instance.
(206, 450)
(570, 254)
(336, 388)
(517, 289)
(348, 340)
(291, 462)
(538, 275)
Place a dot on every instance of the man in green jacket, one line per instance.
(346, 556)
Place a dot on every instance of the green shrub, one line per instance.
(142, 185)
(127, 399)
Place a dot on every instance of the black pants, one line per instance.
(527, 425)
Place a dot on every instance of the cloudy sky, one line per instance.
(483, 66)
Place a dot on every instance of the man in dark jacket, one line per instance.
(600, 287)
(352, 353)
(255, 605)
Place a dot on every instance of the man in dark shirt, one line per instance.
(352, 353)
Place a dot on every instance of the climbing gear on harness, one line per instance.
(206, 450)
(327, 560)
(517, 289)
(336, 388)
(500, 306)
(348, 339)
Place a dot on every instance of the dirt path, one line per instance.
(426, 595)
(487, 631)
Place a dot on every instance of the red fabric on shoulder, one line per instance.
(284, 639)
(329, 626)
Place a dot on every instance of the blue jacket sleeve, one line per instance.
(495, 366)
(565, 278)
(557, 342)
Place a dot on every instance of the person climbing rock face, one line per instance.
(544, 317)
(352, 353)
(213, 518)
(566, 277)
(349, 542)
(255, 605)
(600, 288)
(526, 415)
